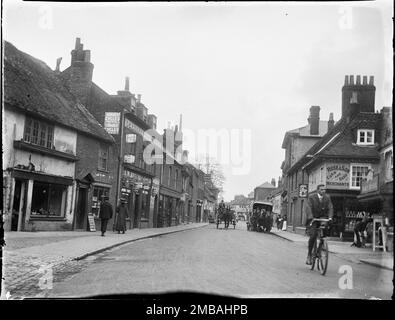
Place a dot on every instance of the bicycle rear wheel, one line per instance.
(323, 256)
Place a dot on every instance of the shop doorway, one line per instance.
(19, 206)
(81, 209)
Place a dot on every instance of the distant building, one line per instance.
(262, 192)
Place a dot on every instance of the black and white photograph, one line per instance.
(239, 150)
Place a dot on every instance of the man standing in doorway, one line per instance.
(318, 206)
(105, 214)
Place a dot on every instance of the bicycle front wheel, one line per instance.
(314, 254)
(323, 255)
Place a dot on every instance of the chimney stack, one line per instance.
(139, 98)
(365, 94)
(152, 121)
(58, 61)
(127, 84)
(331, 122)
(273, 182)
(314, 120)
(81, 72)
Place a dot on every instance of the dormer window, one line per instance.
(365, 137)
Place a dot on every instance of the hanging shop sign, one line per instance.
(131, 138)
(129, 158)
(303, 190)
(337, 176)
(111, 122)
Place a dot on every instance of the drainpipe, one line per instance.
(120, 159)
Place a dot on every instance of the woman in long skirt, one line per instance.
(122, 214)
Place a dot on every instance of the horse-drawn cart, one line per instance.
(227, 217)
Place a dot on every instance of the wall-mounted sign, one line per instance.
(337, 176)
(129, 158)
(111, 122)
(303, 190)
(131, 138)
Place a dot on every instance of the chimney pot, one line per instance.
(127, 84)
(371, 80)
(139, 97)
(77, 43)
(358, 80)
(365, 80)
(351, 80)
(346, 80)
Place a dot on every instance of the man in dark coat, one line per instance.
(105, 214)
(318, 206)
(122, 214)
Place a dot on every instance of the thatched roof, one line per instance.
(30, 86)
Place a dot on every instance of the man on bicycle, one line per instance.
(319, 206)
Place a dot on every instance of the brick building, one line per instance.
(126, 118)
(342, 158)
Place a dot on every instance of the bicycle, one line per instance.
(320, 252)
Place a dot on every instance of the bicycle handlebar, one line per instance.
(319, 220)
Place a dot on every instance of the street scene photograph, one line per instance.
(227, 149)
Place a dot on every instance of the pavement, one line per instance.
(366, 255)
(30, 257)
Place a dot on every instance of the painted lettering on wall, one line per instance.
(338, 176)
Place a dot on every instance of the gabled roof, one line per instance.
(341, 141)
(33, 88)
(267, 185)
(305, 132)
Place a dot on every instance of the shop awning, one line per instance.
(36, 176)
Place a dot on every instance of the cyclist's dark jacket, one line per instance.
(317, 208)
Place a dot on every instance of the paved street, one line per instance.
(226, 262)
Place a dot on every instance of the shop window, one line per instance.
(98, 192)
(39, 133)
(365, 137)
(48, 199)
(103, 157)
(358, 173)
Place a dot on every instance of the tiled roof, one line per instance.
(341, 140)
(32, 87)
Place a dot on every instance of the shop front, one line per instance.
(40, 202)
(137, 190)
(169, 207)
(378, 199)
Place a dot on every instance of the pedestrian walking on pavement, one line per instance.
(122, 213)
(319, 205)
(105, 214)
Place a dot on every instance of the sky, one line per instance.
(251, 68)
